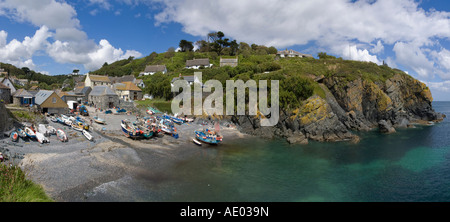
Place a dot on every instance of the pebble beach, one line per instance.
(72, 171)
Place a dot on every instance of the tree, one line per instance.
(75, 71)
(186, 46)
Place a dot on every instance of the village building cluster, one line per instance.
(103, 92)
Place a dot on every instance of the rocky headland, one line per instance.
(351, 104)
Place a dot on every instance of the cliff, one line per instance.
(351, 104)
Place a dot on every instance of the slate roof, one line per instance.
(42, 95)
(23, 93)
(97, 78)
(102, 91)
(127, 86)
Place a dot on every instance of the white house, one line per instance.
(152, 69)
(8, 83)
(197, 63)
(292, 53)
(190, 79)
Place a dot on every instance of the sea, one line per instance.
(411, 165)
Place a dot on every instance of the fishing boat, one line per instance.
(77, 126)
(51, 130)
(130, 130)
(208, 136)
(43, 129)
(150, 112)
(173, 119)
(61, 135)
(197, 142)
(88, 135)
(14, 136)
(29, 132)
(53, 119)
(99, 120)
(21, 133)
(82, 123)
(41, 138)
(168, 128)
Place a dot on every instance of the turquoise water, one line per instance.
(411, 165)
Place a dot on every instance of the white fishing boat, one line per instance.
(29, 132)
(197, 142)
(88, 135)
(76, 127)
(42, 129)
(61, 135)
(51, 130)
(41, 138)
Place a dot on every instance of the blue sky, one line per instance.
(57, 36)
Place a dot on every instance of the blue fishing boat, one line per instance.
(82, 123)
(29, 132)
(21, 133)
(208, 136)
(174, 119)
(168, 127)
(131, 130)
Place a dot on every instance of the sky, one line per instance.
(56, 36)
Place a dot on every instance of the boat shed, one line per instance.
(49, 102)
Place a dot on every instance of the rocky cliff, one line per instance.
(356, 104)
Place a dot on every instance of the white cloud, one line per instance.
(411, 55)
(59, 25)
(21, 53)
(353, 53)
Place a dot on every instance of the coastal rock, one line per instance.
(297, 138)
(386, 127)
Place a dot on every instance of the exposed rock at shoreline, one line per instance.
(350, 105)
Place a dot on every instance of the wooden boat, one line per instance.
(99, 120)
(14, 136)
(21, 133)
(41, 138)
(88, 135)
(29, 132)
(130, 130)
(197, 142)
(208, 136)
(81, 123)
(61, 135)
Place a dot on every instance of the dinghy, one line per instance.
(14, 136)
(43, 129)
(88, 135)
(99, 120)
(21, 133)
(61, 135)
(197, 142)
(53, 119)
(29, 132)
(51, 130)
(41, 138)
(77, 127)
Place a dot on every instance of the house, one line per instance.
(49, 102)
(34, 88)
(3, 72)
(23, 98)
(5, 94)
(103, 97)
(152, 69)
(96, 80)
(292, 53)
(82, 93)
(190, 79)
(228, 62)
(8, 83)
(128, 91)
(140, 83)
(198, 63)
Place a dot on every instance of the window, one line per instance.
(53, 100)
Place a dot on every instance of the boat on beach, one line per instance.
(51, 130)
(29, 132)
(88, 135)
(168, 128)
(130, 130)
(81, 123)
(197, 142)
(14, 136)
(21, 133)
(41, 138)
(99, 120)
(61, 135)
(208, 136)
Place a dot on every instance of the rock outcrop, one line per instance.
(351, 105)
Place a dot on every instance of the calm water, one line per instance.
(410, 165)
